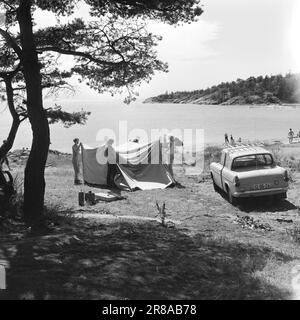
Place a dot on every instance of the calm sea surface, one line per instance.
(247, 122)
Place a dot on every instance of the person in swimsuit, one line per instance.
(291, 135)
(76, 160)
(232, 140)
(226, 138)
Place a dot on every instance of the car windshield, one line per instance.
(252, 161)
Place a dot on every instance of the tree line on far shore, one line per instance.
(254, 90)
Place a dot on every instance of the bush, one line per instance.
(211, 154)
(294, 233)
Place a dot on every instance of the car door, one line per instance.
(227, 175)
(217, 170)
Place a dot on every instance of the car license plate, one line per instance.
(262, 186)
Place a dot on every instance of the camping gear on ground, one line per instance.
(6, 188)
(81, 198)
(108, 196)
(137, 166)
(90, 198)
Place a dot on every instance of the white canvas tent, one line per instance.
(138, 166)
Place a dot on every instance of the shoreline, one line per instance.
(287, 154)
(189, 148)
(254, 105)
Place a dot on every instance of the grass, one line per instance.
(211, 154)
(204, 255)
(283, 159)
(294, 233)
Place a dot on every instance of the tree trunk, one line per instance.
(4, 149)
(34, 182)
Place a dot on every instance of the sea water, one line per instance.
(248, 122)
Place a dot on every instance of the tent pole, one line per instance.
(160, 153)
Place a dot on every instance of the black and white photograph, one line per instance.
(149, 151)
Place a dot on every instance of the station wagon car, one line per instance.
(249, 171)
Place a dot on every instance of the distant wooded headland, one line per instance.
(276, 89)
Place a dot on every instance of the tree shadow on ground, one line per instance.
(88, 260)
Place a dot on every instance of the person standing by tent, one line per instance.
(172, 155)
(76, 160)
(112, 165)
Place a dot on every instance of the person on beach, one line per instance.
(76, 160)
(232, 140)
(226, 138)
(4, 160)
(291, 135)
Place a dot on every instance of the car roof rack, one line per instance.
(244, 147)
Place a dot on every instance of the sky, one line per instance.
(232, 39)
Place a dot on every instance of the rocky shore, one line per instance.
(210, 100)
